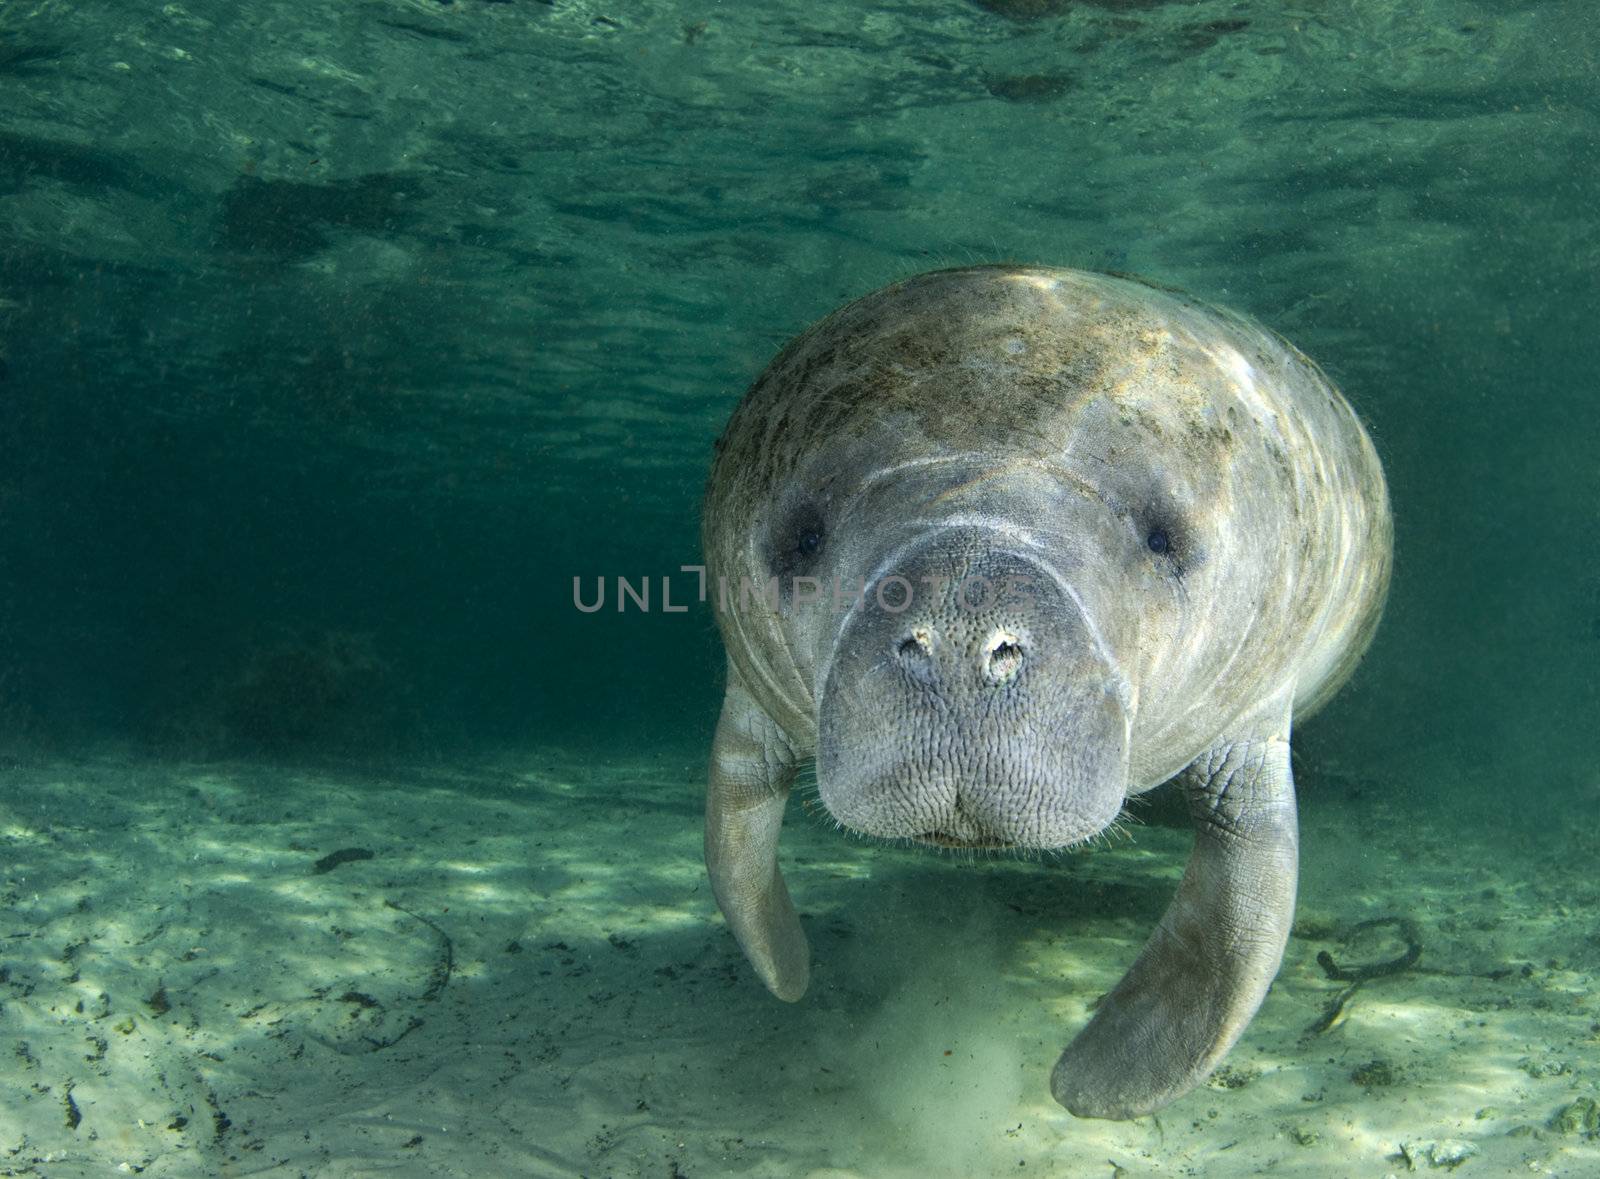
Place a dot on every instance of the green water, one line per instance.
(336, 340)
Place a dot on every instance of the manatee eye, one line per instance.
(1158, 541)
(795, 540)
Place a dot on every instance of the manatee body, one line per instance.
(1001, 547)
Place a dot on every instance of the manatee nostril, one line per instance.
(915, 653)
(1002, 657)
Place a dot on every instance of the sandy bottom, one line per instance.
(526, 976)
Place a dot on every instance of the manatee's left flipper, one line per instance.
(1205, 970)
(752, 769)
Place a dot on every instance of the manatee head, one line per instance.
(969, 663)
(986, 533)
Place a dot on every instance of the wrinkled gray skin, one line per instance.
(1186, 540)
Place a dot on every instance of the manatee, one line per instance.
(1001, 547)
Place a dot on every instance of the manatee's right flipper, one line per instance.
(1208, 964)
(752, 769)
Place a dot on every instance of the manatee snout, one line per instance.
(967, 702)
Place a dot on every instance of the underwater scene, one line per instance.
(1113, 484)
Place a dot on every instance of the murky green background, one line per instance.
(335, 340)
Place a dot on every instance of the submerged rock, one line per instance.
(1579, 1117)
(1448, 1153)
